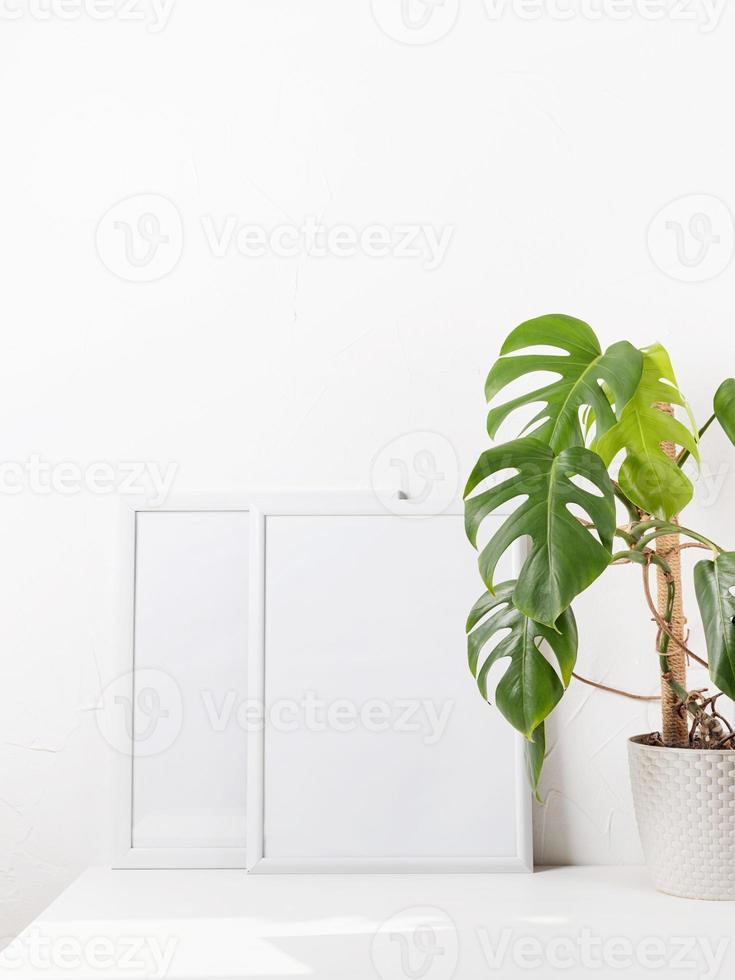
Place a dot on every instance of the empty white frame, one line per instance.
(378, 753)
(187, 620)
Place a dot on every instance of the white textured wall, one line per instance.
(548, 145)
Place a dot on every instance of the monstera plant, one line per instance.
(594, 478)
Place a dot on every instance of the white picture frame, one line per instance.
(254, 857)
(184, 855)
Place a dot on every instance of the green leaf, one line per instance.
(725, 407)
(652, 481)
(534, 756)
(582, 371)
(712, 582)
(565, 556)
(530, 687)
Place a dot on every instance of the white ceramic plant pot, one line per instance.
(685, 806)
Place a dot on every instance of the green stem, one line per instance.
(627, 554)
(625, 535)
(663, 643)
(685, 454)
(664, 527)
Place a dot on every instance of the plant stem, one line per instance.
(625, 535)
(685, 454)
(664, 528)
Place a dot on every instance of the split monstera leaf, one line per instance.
(597, 409)
(565, 556)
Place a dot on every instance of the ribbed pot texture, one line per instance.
(685, 807)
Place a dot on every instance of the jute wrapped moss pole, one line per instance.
(674, 724)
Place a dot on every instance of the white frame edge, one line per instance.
(260, 506)
(125, 856)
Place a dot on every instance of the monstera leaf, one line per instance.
(565, 557)
(530, 687)
(713, 581)
(534, 757)
(652, 481)
(725, 407)
(582, 372)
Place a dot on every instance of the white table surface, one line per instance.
(224, 924)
